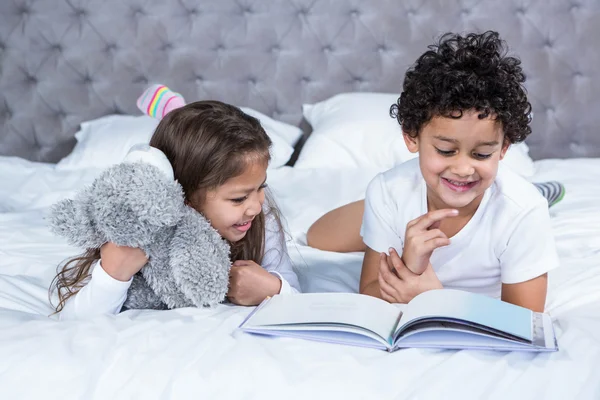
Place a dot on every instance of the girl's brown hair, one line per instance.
(207, 143)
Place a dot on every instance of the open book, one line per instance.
(444, 318)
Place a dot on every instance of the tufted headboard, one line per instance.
(66, 61)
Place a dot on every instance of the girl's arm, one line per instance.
(106, 291)
(250, 283)
(102, 295)
(339, 229)
(530, 294)
(276, 259)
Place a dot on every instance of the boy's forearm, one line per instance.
(372, 289)
(369, 277)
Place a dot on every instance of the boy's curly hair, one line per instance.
(465, 73)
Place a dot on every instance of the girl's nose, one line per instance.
(254, 207)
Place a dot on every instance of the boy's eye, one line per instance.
(480, 156)
(446, 153)
(263, 186)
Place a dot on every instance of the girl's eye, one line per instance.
(446, 153)
(480, 156)
(239, 200)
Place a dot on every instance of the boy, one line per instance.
(452, 217)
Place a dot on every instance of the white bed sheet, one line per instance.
(197, 353)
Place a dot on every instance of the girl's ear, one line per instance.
(412, 143)
(505, 146)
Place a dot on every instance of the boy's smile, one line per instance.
(459, 185)
(459, 159)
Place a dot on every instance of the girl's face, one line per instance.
(459, 159)
(231, 207)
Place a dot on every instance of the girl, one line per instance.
(219, 156)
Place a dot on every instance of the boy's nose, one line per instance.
(462, 169)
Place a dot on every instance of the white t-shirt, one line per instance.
(105, 295)
(508, 240)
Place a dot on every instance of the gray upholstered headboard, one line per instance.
(66, 61)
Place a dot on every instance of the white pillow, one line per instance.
(287, 132)
(105, 141)
(355, 130)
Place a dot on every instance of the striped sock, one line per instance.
(158, 100)
(553, 191)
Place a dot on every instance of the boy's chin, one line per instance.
(462, 200)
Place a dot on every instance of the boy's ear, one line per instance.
(505, 146)
(412, 143)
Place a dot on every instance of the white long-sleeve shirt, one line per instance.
(106, 295)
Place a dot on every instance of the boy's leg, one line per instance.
(553, 191)
(158, 100)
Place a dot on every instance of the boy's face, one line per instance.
(458, 159)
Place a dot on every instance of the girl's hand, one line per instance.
(121, 262)
(250, 284)
(422, 237)
(398, 284)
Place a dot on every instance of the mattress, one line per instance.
(199, 353)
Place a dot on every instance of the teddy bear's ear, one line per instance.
(199, 259)
(72, 220)
(135, 201)
(158, 273)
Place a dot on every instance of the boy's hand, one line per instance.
(121, 262)
(398, 284)
(250, 284)
(422, 237)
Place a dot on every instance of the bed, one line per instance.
(320, 76)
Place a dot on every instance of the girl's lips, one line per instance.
(458, 186)
(243, 227)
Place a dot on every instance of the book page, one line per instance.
(456, 339)
(322, 309)
(475, 308)
(338, 335)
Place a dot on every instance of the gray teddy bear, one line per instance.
(138, 203)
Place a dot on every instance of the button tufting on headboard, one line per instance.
(137, 11)
(80, 12)
(24, 10)
(141, 79)
(63, 62)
